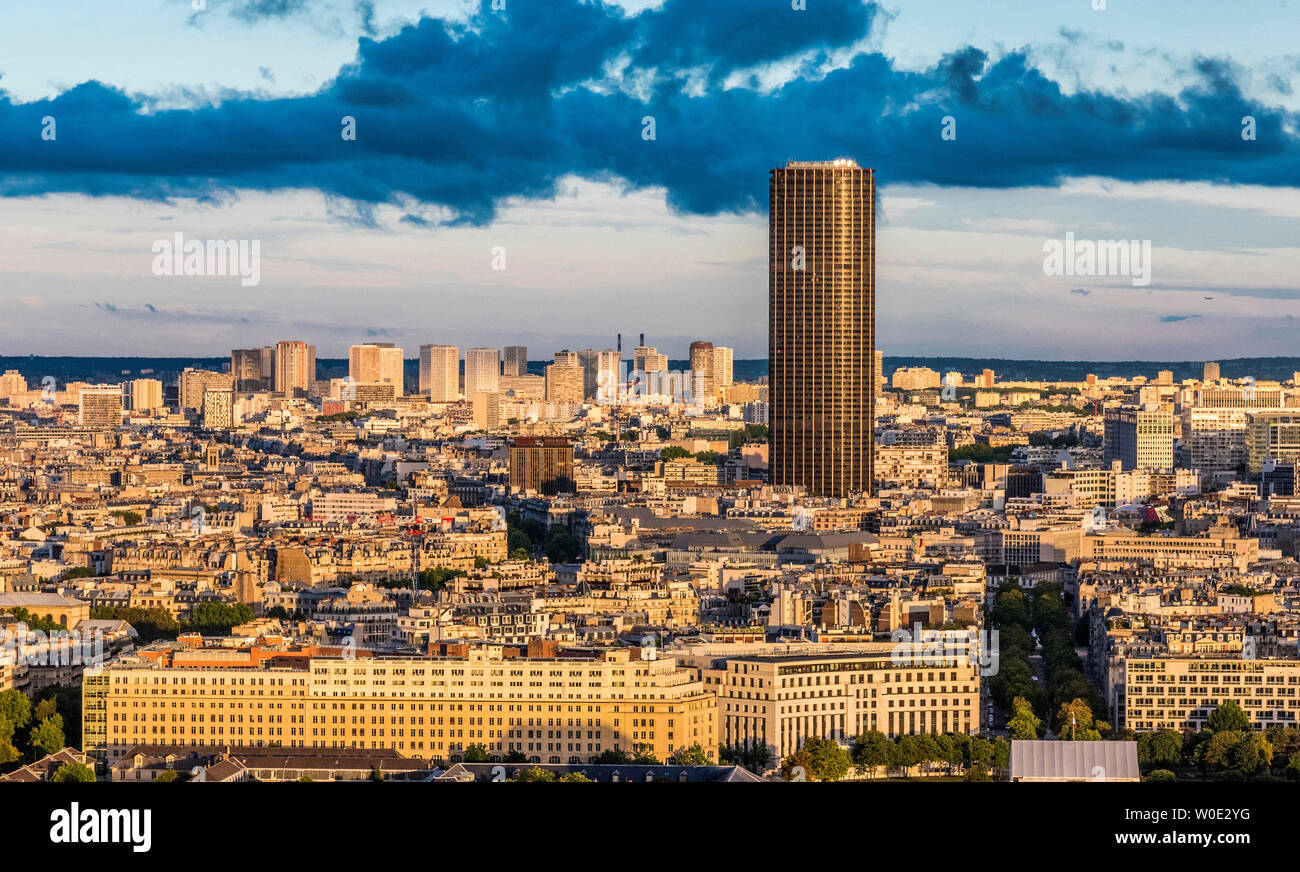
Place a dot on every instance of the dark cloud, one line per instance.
(461, 115)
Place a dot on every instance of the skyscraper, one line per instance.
(703, 385)
(722, 365)
(253, 369)
(516, 360)
(295, 367)
(377, 362)
(600, 373)
(822, 308)
(1211, 373)
(440, 372)
(100, 406)
(482, 371)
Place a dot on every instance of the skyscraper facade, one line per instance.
(440, 372)
(702, 381)
(377, 362)
(295, 367)
(822, 326)
(253, 369)
(482, 371)
(516, 360)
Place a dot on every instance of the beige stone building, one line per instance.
(559, 710)
(1180, 693)
(781, 700)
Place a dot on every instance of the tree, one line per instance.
(1162, 775)
(217, 618)
(1293, 767)
(644, 755)
(1228, 716)
(829, 761)
(15, 708)
(169, 775)
(516, 757)
(575, 776)
(44, 709)
(1253, 754)
(47, 737)
(476, 754)
(534, 773)
(694, 755)
(798, 766)
(871, 751)
(1024, 723)
(1074, 721)
(1162, 749)
(673, 452)
(614, 757)
(279, 613)
(73, 772)
(1218, 751)
(977, 772)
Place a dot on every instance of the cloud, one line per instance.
(460, 115)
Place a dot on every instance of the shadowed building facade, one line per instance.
(822, 320)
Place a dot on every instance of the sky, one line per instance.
(516, 137)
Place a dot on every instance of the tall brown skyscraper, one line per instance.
(822, 326)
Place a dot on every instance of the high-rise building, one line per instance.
(194, 383)
(722, 365)
(516, 360)
(541, 464)
(821, 346)
(487, 409)
(143, 394)
(880, 372)
(1211, 372)
(219, 410)
(703, 383)
(377, 362)
(253, 369)
(100, 406)
(647, 358)
(563, 383)
(440, 372)
(1139, 438)
(600, 373)
(1165, 377)
(482, 371)
(295, 367)
(567, 358)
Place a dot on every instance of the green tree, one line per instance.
(217, 618)
(1024, 723)
(15, 708)
(797, 766)
(476, 753)
(644, 755)
(1227, 716)
(169, 775)
(1162, 749)
(673, 452)
(1163, 775)
(977, 772)
(574, 776)
(829, 761)
(693, 755)
(870, 752)
(614, 757)
(534, 773)
(73, 772)
(47, 737)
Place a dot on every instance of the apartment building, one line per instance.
(565, 709)
(1181, 693)
(782, 700)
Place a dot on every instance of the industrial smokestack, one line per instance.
(620, 343)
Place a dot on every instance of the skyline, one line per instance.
(612, 232)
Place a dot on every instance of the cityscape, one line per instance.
(461, 456)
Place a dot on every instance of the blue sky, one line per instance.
(521, 129)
